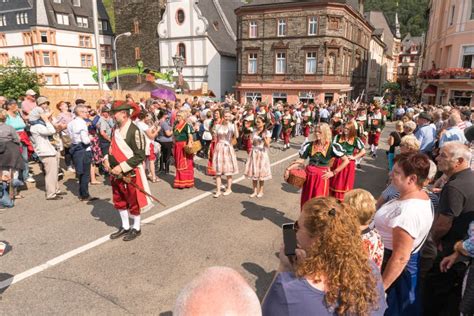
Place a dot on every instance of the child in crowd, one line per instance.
(363, 203)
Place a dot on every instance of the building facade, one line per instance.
(448, 75)
(140, 18)
(377, 66)
(56, 39)
(294, 51)
(409, 64)
(204, 34)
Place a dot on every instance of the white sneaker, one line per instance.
(70, 169)
(30, 180)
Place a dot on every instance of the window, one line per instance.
(103, 25)
(281, 27)
(182, 50)
(22, 18)
(106, 51)
(313, 25)
(3, 20)
(137, 53)
(82, 22)
(84, 41)
(180, 16)
(252, 69)
(280, 63)
(311, 63)
(472, 10)
(253, 29)
(136, 27)
(44, 36)
(62, 19)
(451, 16)
(46, 59)
(50, 79)
(253, 96)
(86, 60)
(468, 57)
(27, 38)
(76, 3)
(3, 58)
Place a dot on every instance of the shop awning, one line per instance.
(430, 90)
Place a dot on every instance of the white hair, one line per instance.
(433, 170)
(458, 150)
(217, 291)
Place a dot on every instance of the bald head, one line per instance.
(217, 291)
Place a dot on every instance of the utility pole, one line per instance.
(95, 17)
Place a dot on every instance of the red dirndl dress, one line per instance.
(247, 143)
(184, 167)
(306, 130)
(343, 181)
(210, 169)
(315, 185)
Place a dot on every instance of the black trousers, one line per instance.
(442, 290)
(166, 152)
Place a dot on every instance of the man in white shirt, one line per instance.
(80, 151)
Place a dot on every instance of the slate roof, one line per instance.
(379, 22)
(218, 17)
(43, 13)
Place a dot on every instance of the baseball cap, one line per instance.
(30, 92)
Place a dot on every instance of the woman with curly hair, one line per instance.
(331, 273)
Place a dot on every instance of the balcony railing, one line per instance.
(448, 73)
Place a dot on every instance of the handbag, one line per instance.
(66, 139)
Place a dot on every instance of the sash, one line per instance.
(122, 152)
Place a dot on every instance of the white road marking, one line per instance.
(68, 255)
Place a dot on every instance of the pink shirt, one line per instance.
(27, 106)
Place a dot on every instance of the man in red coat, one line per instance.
(125, 164)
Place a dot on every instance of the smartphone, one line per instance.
(289, 239)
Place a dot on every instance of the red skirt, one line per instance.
(184, 167)
(210, 169)
(306, 131)
(152, 156)
(247, 143)
(286, 136)
(314, 185)
(343, 181)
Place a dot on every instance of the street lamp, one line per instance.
(115, 56)
(178, 62)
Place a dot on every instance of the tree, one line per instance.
(15, 79)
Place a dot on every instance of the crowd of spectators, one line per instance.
(404, 253)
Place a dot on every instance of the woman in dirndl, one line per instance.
(224, 159)
(217, 119)
(183, 135)
(343, 181)
(320, 151)
(257, 167)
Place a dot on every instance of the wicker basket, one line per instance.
(296, 177)
(194, 149)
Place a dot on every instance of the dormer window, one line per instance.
(180, 16)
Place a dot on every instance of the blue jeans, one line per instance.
(25, 173)
(277, 131)
(390, 157)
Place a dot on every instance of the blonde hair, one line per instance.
(399, 126)
(410, 142)
(363, 203)
(326, 134)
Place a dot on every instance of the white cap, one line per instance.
(30, 92)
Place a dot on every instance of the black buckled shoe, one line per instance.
(132, 235)
(119, 233)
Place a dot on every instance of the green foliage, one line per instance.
(15, 79)
(392, 87)
(411, 14)
(109, 7)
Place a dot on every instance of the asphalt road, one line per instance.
(63, 262)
